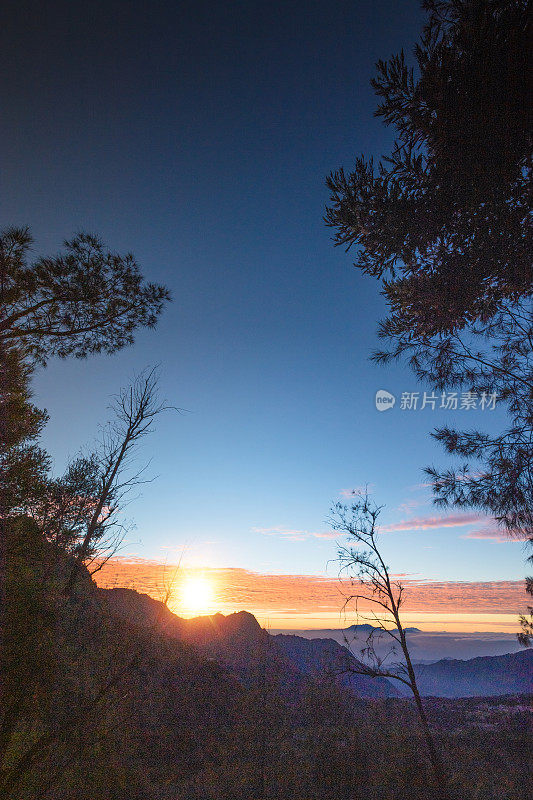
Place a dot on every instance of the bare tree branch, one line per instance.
(361, 561)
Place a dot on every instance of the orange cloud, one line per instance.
(300, 597)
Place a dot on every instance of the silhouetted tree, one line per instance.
(23, 464)
(444, 223)
(85, 300)
(381, 597)
(525, 637)
(496, 472)
(441, 219)
(95, 488)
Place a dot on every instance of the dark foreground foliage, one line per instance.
(96, 706)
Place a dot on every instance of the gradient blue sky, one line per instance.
(198, 135)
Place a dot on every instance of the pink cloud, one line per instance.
(494, 533)
(408, 505)
(415, 487)
(430, 523)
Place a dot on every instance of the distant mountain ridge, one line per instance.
(329, 660)
(425, 646)
(478, 677)
(366, 628)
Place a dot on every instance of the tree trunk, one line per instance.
(441, 782)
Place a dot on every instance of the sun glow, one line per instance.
(196, 596)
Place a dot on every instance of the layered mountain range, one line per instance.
(288, 663)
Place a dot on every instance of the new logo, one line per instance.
(384, 400)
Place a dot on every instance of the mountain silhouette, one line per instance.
(239, 644)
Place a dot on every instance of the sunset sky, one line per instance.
(198, 136)
(312, 601)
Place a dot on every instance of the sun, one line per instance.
(196, 595)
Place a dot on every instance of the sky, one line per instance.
(198, 135)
